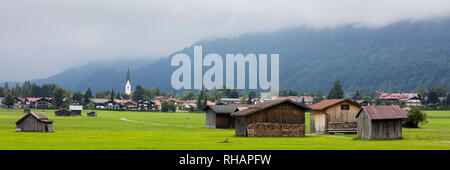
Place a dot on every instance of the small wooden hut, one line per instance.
(34, 122)
(334, 116)
(63, 112)
(76, 110)
(271, 118)
(219, 116)
(380, 122)
(91, 114)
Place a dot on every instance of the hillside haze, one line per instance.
(400, 57)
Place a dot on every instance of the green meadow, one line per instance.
(114, 130)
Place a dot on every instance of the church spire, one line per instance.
(128, 74)
(128, 83)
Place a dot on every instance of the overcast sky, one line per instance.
(39, 38)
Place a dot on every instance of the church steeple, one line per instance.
(128, 83)
(128, 74)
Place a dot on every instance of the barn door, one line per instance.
(320, 123)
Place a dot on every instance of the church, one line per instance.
(128, 83)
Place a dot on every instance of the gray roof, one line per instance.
(222, 109)
(96, 100)
(38, 115)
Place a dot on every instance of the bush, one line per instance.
(415, 117)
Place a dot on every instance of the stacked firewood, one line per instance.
(275, 130)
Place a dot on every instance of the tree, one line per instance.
(112, 95)
(448, 99)
(58, 97)
(87, 96)
(77, 97)
(251, 96)
(318, 97)
(415, 117)
(139, 93)
(168, 106)
(188, 95)
(2, 92)
(118, 96)
(379, 102)
(67, 99)
(9, 100)
(165, 106)
(367, 98)
(433, 96)
(90, 105)
(336, 91)
(357, 96)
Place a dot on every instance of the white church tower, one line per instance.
(128, 84)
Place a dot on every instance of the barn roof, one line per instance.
(222, 109)
(38, 115)
(383, 112)
(261, 106)
(330, 102)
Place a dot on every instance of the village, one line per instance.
(249, 115)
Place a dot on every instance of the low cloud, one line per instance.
(41, 38)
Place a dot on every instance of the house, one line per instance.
(219, 116)
(99, 103)
(145, 105)
(126, 104)
(228, 101)
(307, 100)
(91, 114)
(334, 116)
(112, 105)
(38, 102)
(63, 112)
(271, 118)
(1, 101)
(410, 99)
(76, 110)
(21, 103)
(380, 122)
(34, 122)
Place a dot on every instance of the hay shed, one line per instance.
(91, 114)
(272, 118)
(334, 116)
(34, 122)
(380, 122)
(219, 116)
(63, 112)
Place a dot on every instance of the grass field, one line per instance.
(186, 131)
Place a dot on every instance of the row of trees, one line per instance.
(28, 90)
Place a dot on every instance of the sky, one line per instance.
(42, 38)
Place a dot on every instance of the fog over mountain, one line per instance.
(39, 39)
(399, 58)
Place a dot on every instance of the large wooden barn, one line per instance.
(34, 122)
(380, 122)
(271, 118)
(219, 116)
(334, 116)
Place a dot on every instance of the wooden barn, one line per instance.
(91, 114)
(380, 122)
(63, 112)
(76, 110)
(34, 122)
(271, 118)
(219, 116)
(334, 116)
